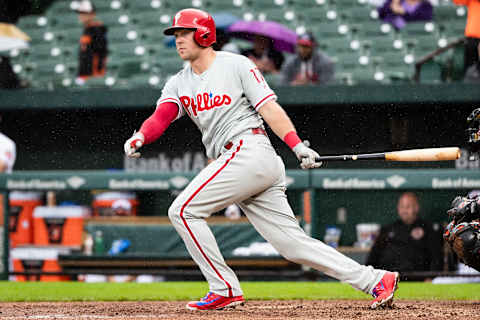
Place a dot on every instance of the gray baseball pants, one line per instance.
(252, 175)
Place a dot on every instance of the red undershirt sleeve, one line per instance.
(153, 127)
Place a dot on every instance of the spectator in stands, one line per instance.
(309, 66)
(11, 37)
(400, 12)
(265, 57)
(472, 31)
(93, 43)
(410, 243)
(473, 72)
(223, 43)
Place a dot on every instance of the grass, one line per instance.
(78, 291)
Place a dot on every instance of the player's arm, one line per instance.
(282, 126)
(152, 128)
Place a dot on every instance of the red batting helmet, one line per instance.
(196, 19)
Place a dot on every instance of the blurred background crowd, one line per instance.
(115, 43)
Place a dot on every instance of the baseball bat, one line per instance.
(429, 154)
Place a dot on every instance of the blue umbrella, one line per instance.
(223, 20)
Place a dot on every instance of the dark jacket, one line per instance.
(401, 247)
(424, 12)
(93, 50)
(323, 68)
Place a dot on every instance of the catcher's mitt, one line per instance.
(464, 239)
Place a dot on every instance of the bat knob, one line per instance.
(138, 144)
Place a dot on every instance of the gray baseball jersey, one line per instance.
(223, 101)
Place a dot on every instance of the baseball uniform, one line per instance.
(223, 102)
(8, 152)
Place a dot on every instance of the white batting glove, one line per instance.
(306, 155)
(133, 144)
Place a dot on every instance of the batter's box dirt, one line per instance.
(253, 310)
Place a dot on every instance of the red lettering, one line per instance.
(203, 101)
(226, 99)
(199, 103)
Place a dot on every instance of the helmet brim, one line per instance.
(171, 30)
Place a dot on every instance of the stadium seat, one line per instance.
(122, 34)
(446, 13)
(372, 29)
(114, 18)
(431, 72)
(420, 29)
(152, 20)
(325, 30)
(69, 37)
(32, 22)
(66, 20)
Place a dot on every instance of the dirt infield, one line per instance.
(298, 309)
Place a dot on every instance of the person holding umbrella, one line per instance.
(264, 55)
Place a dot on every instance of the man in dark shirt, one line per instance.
(410, 243)
(93, 43)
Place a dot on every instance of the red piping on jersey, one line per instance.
(270, 95)
(169, 99)
(230, 294)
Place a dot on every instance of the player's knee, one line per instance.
(174, 212)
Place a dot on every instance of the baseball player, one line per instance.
(226, 96)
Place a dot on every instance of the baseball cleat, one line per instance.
(213, 301)
(384, 290)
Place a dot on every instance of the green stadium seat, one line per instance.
(145, 5)
(32, 22)
(446, 13)
(122, 34)
(318, 14)
(336, 45)
(273, 14)
(419, 29)
(66, 20)
(380, 44)
(59, 7)
(124, 50)
(41, 51)
(325, 30)
(372, 29)
(431, 72)
(356, 15)
(130, 68)
(221, 5)
(308, 4)
(114, 18)
(69, 37)
(151, 20)
(453, 28)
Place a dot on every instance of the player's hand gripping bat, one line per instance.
(430, 154)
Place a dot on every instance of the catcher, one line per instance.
(463, 232)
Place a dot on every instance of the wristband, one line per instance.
(291, 139)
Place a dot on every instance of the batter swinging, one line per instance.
(226, 96)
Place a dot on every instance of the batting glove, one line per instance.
(306, 155)
(133, 144)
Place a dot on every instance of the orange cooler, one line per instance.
(61, 225)
(37, 259)
(22, 205)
